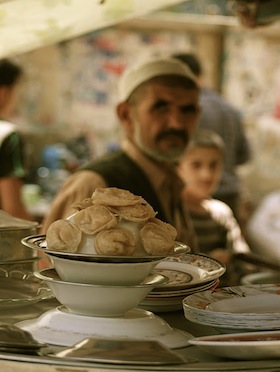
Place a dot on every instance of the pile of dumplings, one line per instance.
(113, 222)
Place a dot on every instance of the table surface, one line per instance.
(201, 361)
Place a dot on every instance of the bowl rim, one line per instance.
(50, 275)
(65, 261)
(38, 242)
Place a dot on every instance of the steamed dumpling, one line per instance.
(167, 226)
(115, 242)
(87, 202)
(95, 218)
(112, 196)
(140, 212)
(62, 235)
(156, 240)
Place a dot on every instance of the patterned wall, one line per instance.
(70, 88)
(73, 85)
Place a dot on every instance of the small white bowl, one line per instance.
(102, 273)
(265, 277)
(98, 300)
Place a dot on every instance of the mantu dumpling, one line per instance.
(155, 239)
(115, 242)
(95, 218)
(114, 197)
(113, 222)
(62, 235)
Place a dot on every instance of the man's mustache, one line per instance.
(174, 133)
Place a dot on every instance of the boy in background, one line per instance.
(218, 232)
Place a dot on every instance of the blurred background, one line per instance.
(73, 58)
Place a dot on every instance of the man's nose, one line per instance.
(176, 119)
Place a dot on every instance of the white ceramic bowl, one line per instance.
(98, 300)
(38, 242)
(265, 277)
(102, 273)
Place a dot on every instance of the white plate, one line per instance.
(265, 303)
(19, 288)
(188, 270)
(253, 307)
(38, 242)
(241, 346)
(61, 327)
(187, 274)
(263, 277)
(185, 291)
(165, 302)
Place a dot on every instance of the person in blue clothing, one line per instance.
(12, 168)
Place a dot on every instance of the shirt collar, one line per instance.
(158, 173)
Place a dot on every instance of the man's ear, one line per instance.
(4, 94)
(124, 114)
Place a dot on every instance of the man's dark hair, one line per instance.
(191, 61)
(10, 72)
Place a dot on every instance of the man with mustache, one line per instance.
(158, 109)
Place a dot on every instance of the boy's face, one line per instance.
(201, 169)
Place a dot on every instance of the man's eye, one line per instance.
(160, 105)
(190, 109)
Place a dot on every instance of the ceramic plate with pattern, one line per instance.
(188, 270)
(172, 301)
(254, 307)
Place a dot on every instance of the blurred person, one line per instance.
(263, 228)
(12, 170)
(218, 232)
(219, 115)
(158, 109)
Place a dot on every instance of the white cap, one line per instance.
(148, 69)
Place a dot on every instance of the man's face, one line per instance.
(163, 119)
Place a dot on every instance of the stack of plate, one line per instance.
(251, 307)
(187, 274)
